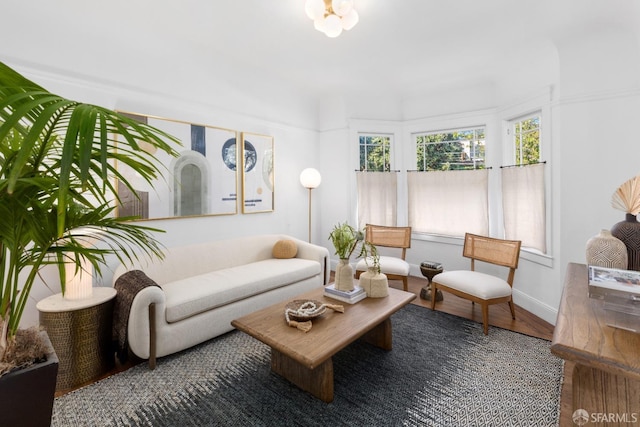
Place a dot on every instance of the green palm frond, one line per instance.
(59, 163)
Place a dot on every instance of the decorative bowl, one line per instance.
(303, 310)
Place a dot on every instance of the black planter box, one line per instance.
(26, 395)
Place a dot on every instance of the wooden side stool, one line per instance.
(429, 269)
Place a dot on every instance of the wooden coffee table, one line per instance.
(305, 358)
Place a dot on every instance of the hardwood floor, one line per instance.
(499, 315)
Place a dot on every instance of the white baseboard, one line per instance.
(532, 305)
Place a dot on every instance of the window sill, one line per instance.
(529, 254)
(536, 257)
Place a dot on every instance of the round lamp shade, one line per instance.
(332, 26)
(310, 178)
(315, 9)
(341, 7)
(350, 20)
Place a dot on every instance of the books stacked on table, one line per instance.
(350, 297)
(618, 292)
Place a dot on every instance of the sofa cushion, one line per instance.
(284, 249)
(190, 296)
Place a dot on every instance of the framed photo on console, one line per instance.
(202, 180)
(257, 173)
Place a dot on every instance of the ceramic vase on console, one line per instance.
(629, 232)
(374, 283)
(344, 275)
(605, 250)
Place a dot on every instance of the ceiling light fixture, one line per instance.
(332, 16)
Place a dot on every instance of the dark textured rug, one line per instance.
(442, 371)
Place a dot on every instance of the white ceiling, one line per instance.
(399, 47)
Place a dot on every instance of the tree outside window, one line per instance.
(523, 187)
(375, 153)
(526, 136)
(457, 149)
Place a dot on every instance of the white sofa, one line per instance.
(203, 287)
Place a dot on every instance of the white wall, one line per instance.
(595, 132)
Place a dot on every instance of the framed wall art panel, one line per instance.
(202, 180)
(257, 173)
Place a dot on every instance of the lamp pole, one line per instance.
(310, 178)
(310, 214)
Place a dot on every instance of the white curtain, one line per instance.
(377, 198)
(523, 203)
(449, 203)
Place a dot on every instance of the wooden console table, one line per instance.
(606, 376)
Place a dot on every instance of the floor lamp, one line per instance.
(310, 178)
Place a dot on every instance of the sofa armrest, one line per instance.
(313, 252)
(145, 320)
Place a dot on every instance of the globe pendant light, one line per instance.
(350, 20)
(332, 26)
(341, 7)
(315, 9)
(331, 16)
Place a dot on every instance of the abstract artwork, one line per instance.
(201, 180)
(257, 173)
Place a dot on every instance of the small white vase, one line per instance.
(374, 283)
(344, 276)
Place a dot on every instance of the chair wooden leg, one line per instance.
(405, 284)
(513, 310)
(485, 318)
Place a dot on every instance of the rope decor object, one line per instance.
(299, 313)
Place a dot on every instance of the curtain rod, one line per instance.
(365, 170)
(528, 164)
(450, 170)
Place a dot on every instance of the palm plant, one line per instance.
(57, 188)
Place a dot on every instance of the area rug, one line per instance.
(442, 371)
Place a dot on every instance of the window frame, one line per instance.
(416, 135)
(387, 166)
(486, 118)
(512, 134)
(497, 152)
(536, 105)
(393, 129)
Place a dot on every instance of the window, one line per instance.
(376, 183)
(375, 152)
(457, 149)
(523, 185)
(449, 203)
(526, 138)
(448, 194)
(377, 198)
